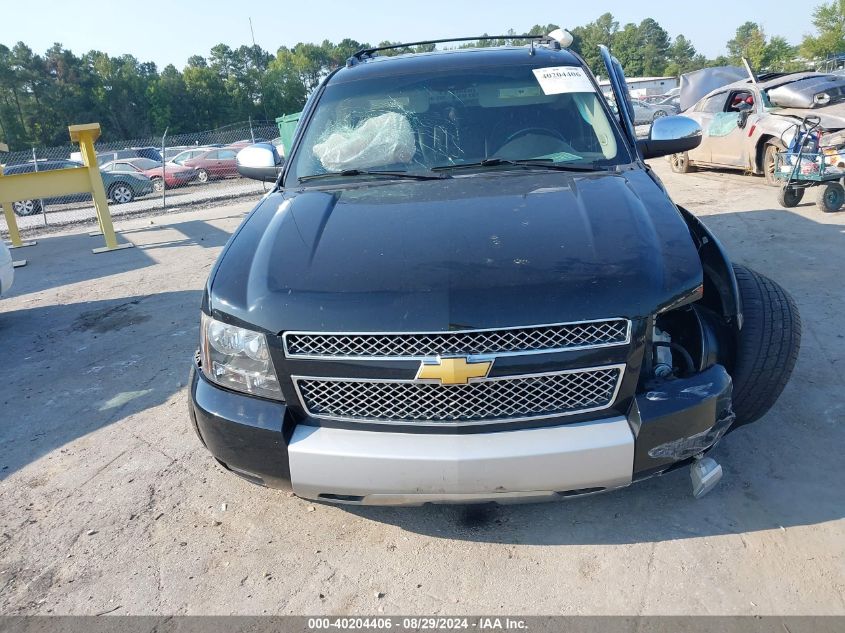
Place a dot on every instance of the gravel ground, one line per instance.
(110, 504)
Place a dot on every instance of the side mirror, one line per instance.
(670, 135)
(743, 118)
(260, 162)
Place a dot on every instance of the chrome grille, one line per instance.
(492, 399)
(466, 342)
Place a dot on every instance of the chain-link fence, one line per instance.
(145, 175)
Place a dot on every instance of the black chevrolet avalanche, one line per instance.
(467, 285)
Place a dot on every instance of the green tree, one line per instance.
(682, 57)
(170, 106)
(12, 101)
(749, 42)
(655, 47)
(779, 55)
(628, 49)
(588, 38)
(282, 87)
(205, 90)
(829, 20)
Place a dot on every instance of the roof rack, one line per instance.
(368, 52)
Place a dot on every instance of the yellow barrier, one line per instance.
(59, 182)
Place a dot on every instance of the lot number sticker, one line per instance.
(560, 79)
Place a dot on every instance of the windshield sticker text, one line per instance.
(559, 79)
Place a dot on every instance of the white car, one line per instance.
(7, 271)
(648, 112)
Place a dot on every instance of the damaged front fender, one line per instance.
(680, 418)
(721, 291)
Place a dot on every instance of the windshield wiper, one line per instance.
(372, 172)
(543, 163)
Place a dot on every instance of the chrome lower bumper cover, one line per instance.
(376, 468)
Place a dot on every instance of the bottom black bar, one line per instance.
(309, 624)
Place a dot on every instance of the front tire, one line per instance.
(680, 163)
(830, 197)
(658, 114)
(766, 347)
(24, 208)
(158, 185)
(769, 160)
(202, 175)
(121, 194)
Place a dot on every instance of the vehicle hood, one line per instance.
(490, 250)
(831, 117)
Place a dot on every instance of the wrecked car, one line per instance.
(745, 123)
(468, 286)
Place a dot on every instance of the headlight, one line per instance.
(237, 358)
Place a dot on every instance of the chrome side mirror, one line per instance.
(670, 135)
(260, 162)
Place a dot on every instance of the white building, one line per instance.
(645, 86)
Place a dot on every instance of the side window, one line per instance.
(740, 100)
(715, 103)
(107, 168)
(226, 154)
(212, 155)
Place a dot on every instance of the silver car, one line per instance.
(648, 112)
(745, 124)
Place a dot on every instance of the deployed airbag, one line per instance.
(381, 140)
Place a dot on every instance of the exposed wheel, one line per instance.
(121, 194)
(767, 346)
(680, 163)
(158, 185)
(769, 160)
(790, 196)
(830, 197)
(26, 207)
(202, 175)
(658, 114)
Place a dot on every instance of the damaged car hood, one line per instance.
(831, 117)
(487, 250)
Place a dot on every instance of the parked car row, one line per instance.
(121, 187)
(161, 175)
(134, 172)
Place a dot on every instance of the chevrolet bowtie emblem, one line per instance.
(453, 371)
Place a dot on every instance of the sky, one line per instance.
(171, 31)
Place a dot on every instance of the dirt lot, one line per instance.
(110, 504)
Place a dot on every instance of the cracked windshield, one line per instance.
(426, 123)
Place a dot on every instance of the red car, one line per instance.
(215, 163)
(172, 175)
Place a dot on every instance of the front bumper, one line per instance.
(260, 440)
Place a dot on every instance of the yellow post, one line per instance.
(12, 223)
(86, 135)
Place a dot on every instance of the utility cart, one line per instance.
(806, 165)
